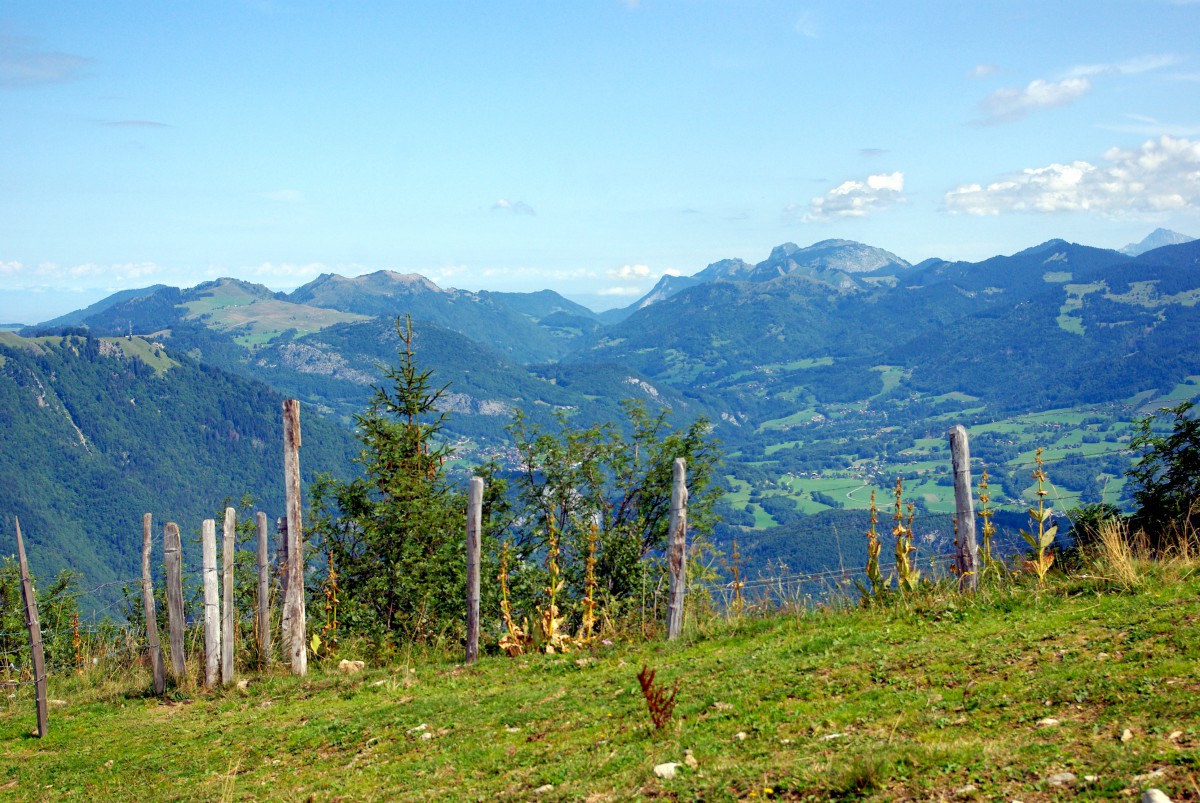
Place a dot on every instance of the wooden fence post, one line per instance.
(677, 548)
(966, 550)
(281, 553)
(153, 647)
(264, 592)
(228, 547)
(212, 603)
(35, 637)
(474, 526)
(295, 637)
(175, 616)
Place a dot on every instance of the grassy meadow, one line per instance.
(933, 696)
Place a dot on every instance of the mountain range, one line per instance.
(835, 357)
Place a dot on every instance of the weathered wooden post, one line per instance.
(212, 604)
(35, 636)
(153, 647)
(175, 616)
(293, 606)
(474, 527)
(264, 592)
(677, 548)
(966, 550)
(228, 546)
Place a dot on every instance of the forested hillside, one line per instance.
(94, 432)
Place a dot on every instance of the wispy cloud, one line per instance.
(1014, 103)
(1150, 126)
(983, 71)
(806, 24)
(516, 207)
(1132, 66)
(23, 64)
(858, 198)
(1009, 104)
(871, 153)
(133, 124)
(1163, 174)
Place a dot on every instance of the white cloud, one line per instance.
(1012, 103)
(285, 196)
(516, 207)
(806, 25)
(983, 71)
(1150, 126)
(1132, 66)
(10, 268)
(619, 291)
(23, 65)
(856, 198)
(1161, 175)
(630, 273)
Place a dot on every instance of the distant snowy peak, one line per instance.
(1156, 239)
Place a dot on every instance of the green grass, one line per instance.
(934, 698)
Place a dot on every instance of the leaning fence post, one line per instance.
(153, 647)
(175, 617)
(294, 638)
(966, 550)
(35, 637)
(212, 603)
(474, 524)
(228, 545)
(264, 592)
(677, 548)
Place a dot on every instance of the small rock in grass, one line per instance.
(426, 735)
(1091, 778)
(965, 791)
(512, 730)
(1153, 775)
(243, 684)
(418, 728)
(690, 760)
(1126, 735)
(543, 789)
(831, 736)
(1155, 796)
(666, 771)
(740, 736)
(1174, 737)
(351, 667)
(1048, 722)
(1062, 779)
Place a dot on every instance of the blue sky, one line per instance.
(588, 146)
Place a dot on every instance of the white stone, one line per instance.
(1062, 779)
(740, 736)
(351, 667)
(1126, 735)
(1048, 722)
(666, 771)
(1154, 796)
(541, 790)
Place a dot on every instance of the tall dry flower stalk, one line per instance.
(878, 582)
(515, 638)
(659, 700)
(552, 639)
(589, 584)
(908, 576)
(1040, 541)
(987, 530)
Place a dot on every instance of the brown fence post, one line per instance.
(35, 637)
(212, 604)
(966, 550)
(228, 547)
(264, 592)
(294, 638)
(153, 647)
(175, 615)
(677, 548)
(474, 526)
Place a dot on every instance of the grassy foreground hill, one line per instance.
(1086, 689)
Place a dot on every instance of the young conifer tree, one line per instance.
(395, 533)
